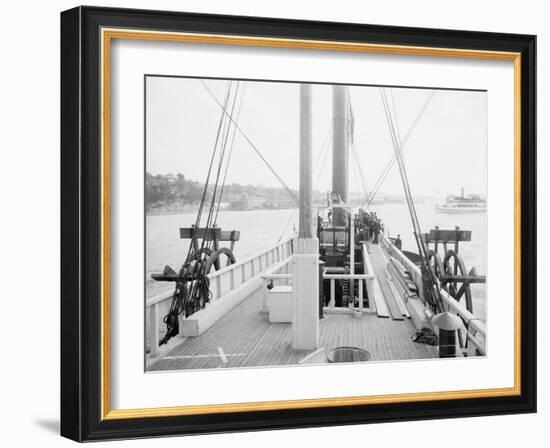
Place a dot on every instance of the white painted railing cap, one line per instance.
(447, 321)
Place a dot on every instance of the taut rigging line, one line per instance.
(432, 293)
(192, 289)
(252, 145)
(391, 161)
(230, 151)
(225, 129)
(320, 158)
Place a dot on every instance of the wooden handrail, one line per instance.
(246, 260)
(276, 276)
(168, 294)
(158, 298)
(348, 276)
(474, 322)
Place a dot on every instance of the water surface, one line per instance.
(262, 229)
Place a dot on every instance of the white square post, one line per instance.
(305, 295)
(305, 264)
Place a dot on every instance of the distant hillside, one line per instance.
(165, 193)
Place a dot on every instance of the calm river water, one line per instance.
(261, 229)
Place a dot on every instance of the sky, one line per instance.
(446, 151)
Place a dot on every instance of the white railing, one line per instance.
(227, 279)
(284, 276)
(405, 262)
(221, 282)
(368, 278)
(475, 327)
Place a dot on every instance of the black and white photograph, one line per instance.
(291, 223)
(275, 222)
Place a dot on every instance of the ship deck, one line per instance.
(245, 338)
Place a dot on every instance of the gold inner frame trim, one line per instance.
(107, 35)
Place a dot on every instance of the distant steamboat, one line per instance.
(472, 203)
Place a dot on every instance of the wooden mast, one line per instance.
(305, 290)
(340, 150)
(305, 229)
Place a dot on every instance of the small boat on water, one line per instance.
(472, 203)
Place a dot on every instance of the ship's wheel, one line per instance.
(436, 265)
(202, 255)
(454, 278)
(219, 259)
(457, 286)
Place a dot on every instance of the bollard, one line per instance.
(448, 325)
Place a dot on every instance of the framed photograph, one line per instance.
(272, 223)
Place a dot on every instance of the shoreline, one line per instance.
(190, 211)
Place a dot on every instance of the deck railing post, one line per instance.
(154, 333)
(472, 349)
(332, 293)
(361, 295)
(352, 255)
(264, 296)
(218, 286)
(370, 291)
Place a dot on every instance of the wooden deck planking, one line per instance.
(379, 266)
(248, 339)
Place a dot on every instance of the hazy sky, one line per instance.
(447, 150)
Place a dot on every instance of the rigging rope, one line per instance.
(201, 283)
(252, 145)
(206, 244)
(214, 150)
(220, 163)
(322, 154)
(391, 161)
(230, 152)
(360, 171)
(192, 288)
(351, 141)
(432, 293)
(395, 115)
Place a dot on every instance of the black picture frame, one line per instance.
(81, 288)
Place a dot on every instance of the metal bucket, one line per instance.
(348, 354)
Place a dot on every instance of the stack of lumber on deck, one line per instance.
(412, 301)
(402, 276)
(389, 299)
(397, 293)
